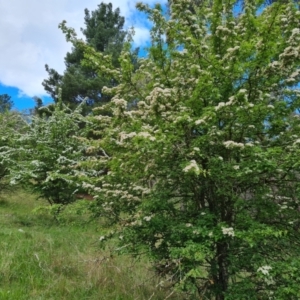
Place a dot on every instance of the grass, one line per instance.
(41, 258)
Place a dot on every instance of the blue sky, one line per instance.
(30, 38)
(21, 101)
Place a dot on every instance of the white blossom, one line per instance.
(220, 105)
(120, 102)
(124, 136)
(232, 144)
(200, 121)
(147, 135)
(295, 31)
(233, 49)
(264, 269)
(192, 166)
(297, 141)
(249, 144)
(242, 91)
(274, 64)
(295, 74)
(228, 231)
(87, 185)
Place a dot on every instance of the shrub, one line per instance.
(45, 158)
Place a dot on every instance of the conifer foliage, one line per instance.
(5, 103)
(104, 32)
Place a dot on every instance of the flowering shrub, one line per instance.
(10, 124)
(201, 144)
(45, 158)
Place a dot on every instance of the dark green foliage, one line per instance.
(5, 103)
(51, 85)
(104, 32)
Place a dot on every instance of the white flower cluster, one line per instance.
(264, 270)
(289, 52)
(36, 163)
(200, 121)
(222, 30)
(86, 185)
(232, 144)
(147, 135)
(158, 93)
(274, 64)
(120, 102)
(192, 166)
(220, 105)
(233, 49)
(297, 142)
(103, 119)
(228, 103)
(228, 231)
(242, 91)
(124, 136)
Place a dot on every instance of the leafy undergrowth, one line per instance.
(46, 258)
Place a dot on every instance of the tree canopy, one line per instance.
(43, 158)
(5, 103)
(204, 173)
(104, 32)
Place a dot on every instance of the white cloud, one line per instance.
(142, 35)
(30, 38)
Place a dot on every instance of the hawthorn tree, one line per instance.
(203, 173)
(11, 123)
(44, 158)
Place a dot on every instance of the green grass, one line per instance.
(41, 258)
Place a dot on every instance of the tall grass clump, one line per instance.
(42, 257)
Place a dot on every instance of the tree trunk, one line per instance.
(221, 279)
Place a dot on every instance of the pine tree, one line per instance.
(104, 32)
(5, 103)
